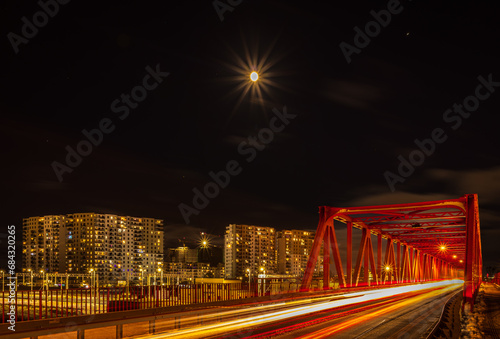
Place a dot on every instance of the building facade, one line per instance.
(293, 250)
(116, 247)
(249, 251)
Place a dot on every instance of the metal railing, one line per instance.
(56, 303)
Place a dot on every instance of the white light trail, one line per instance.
(353, 298)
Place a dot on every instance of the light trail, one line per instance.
(259, 320)
(328, 331)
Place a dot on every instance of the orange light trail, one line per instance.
(328, 331)
(258, 320)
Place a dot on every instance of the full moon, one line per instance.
(254, 76)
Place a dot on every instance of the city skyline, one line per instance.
(144, 118)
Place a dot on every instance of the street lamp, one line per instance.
(262, 269)
(161, 276)
(43, 278)
(92, 278)
(31, 278)
(387, 270)
(2, 280)
(249, 279)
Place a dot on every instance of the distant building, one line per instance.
(249, 249)
(116, 247)
(293, 250)
(182, 272)
(182, 254)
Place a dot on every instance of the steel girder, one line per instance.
(425, 241)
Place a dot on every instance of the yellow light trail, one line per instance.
(354, 298)
(328, 331)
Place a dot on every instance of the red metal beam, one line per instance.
(361, 251)
(336, 256)
(349, 254)
(421, 228)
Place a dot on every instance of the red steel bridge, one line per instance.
(425, 241)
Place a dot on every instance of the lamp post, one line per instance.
(264, 280)
(31, 278)
(249, 280)
(91, 288)
(92, 277)
(142, 277)
(387, 271)
(2, 280)
(161, 276)
(43, 278)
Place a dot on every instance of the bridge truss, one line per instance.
(424, 241)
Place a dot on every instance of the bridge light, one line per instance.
(454, 256)
(388, 268)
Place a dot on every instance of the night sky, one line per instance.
(348, 121)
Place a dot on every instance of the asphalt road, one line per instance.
(400, 312)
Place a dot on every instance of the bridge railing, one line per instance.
(43, 304)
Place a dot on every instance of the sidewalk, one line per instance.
(492, 312)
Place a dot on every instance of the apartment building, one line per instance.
(42, 246)
(116, 247)
(249, 250)
(293, 250)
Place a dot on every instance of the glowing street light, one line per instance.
(31, 280)
(254, 76)
(387, 269)
(442, 247)
(43, 278)
(249, 279)
(204, 241)
(161, 275)
(262, 269)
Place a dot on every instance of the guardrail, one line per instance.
(163, 318)
(435, 328)
(43, 304)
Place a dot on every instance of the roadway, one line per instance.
(381, 313)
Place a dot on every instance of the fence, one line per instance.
(43, 304)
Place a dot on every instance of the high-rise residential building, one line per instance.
(294, 248)
(116, 247)
(249, 249)
(42, 246)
